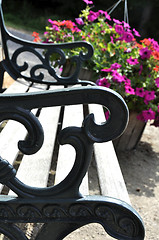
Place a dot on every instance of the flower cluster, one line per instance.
(122, 63)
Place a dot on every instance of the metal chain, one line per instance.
(126, 18)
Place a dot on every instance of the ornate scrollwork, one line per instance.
(81, 139)
(120, 220)
(28, 212)
(12, 231)
(45, 62)
(35, 132)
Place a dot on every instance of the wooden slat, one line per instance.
(73, 116)
(110, 176)
(34, 169)
(12, 132)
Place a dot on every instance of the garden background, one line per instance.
(140, 167)
(33, 14)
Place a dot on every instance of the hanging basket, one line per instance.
(132, 135)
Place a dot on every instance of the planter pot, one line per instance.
(84, 74)
(132, 135)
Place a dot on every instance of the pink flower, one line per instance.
(129, 90)
(127, 81)
(149, 95)
(53, 22)
(76, 29)
(115, 66)
(128, 37)
(107, 114)
(157, 82)
(145, 53)
(107, 16)
(112, 40)
(104, 82)
(136, 33)
(140, 92)
(117, 77)
(93, 16)
(148, 114)
(119, 29)
(117, 21)
(126, 25)
(79, 21)
(56, 28)
(106, 70)
(132, 61)
(88, 2)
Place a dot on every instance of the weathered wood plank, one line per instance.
(73, 116)
(110, 176)
(34, 169)
(13, 131)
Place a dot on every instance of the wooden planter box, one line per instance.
(132, 135)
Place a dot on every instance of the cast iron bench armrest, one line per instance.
(65, 198)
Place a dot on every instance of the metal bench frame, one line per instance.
(61, 208)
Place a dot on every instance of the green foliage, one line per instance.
(120, 62)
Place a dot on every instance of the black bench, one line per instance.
(47, 104)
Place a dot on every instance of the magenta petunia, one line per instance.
(116, 21)
(115, 66)
(148, 114)
(106, 70)
(145, 53)
(107, 16)
(88, 2)
(140, 92)
(79, 21)
(157, 82)
(132, 61)
(126, 25)
(127, 81)
(93, 16)
(104, 82)
(55, 27)
(149, 95)
(136, 33)
(117, 77)
(128, 37)
(119, 29)
(129, 90)
(107, 115)
(112, 39)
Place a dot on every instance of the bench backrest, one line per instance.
(45, 70)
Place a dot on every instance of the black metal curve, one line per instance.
(72, 96)
(35, 132)
(81, 139)
(119, 219)
(12, 232)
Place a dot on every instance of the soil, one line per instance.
(140, 169)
